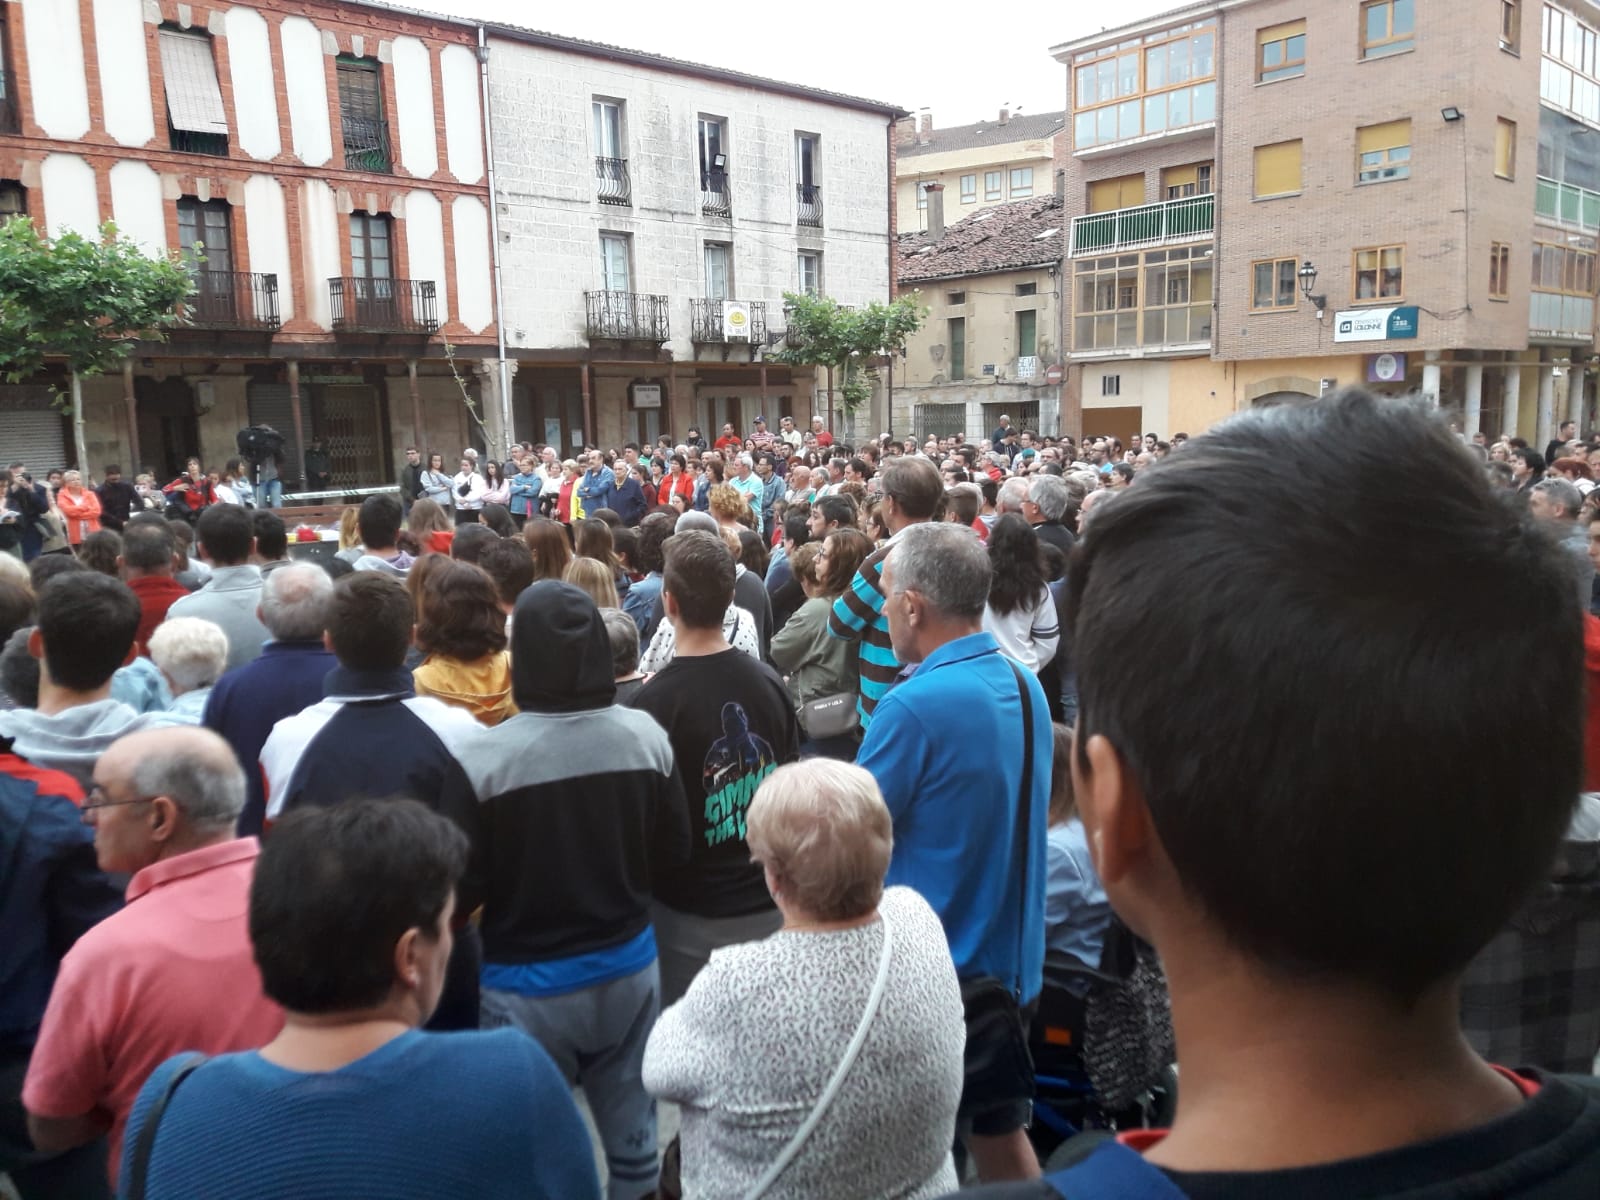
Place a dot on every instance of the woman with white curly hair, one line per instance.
(192, 654)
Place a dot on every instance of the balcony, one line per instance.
(1566, 204)
(186, 141)
(612, 185)
(706, 325)
(233, 300)
(626, 316)
(383, 305)
(366, 146)
(1554, 317)
(1162, 224)
(714, 198)
(809, 198)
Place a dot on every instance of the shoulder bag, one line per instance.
(139, 1165)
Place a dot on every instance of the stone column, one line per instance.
(1430, 377)
(1510, 413)
(1472, 413)
(1547, 402)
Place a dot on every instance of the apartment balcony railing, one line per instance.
(383, 305)
(706, 326)
(366, 146)
(809, 196)
(714, 198)
(246, 300)
(1566, 204)
(626, 316)
(612, 185)
(1148, 225)
(1556, 317)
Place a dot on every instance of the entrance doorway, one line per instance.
(169, 425)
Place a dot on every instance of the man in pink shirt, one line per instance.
(173, 971)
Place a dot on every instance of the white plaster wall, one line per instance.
(540, 99)
(69, 195)
(255, 100)
(474, 296)
(55, 61)
(413, 95)
(137, 206)
(267, 234)
(307, 88)
(463, 121)
(319, 247)
(424, 229)
(124, 71)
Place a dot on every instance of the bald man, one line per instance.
(173, 970)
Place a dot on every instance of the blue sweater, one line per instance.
(423, 1117)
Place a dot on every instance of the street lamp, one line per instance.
(1308, 280)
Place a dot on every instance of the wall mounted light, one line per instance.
(1450, 113)
(1308, 281)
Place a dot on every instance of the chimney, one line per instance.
(1005, 113)
(905, 131)
(1061, 186)
(925, 127)
(935, 210)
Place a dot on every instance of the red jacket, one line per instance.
(156, 594)
(732, 442)
(197, 497)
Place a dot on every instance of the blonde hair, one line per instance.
(726, 502)
(822, 830)
(14, 570)
(349, 532)
(595, 578)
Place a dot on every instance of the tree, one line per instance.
(85, 301)
(825, 333)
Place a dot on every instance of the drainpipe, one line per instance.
(494, 245)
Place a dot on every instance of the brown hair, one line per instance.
(726, 502)
(592, 539)
(427, 517)
(803, 562)
(850, 549)
(460, 614)
(417, 578)
(699, 576)
(551, 551)
(1063, 803)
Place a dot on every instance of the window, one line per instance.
(805, 149)
(1511, 25)
(1158, 298)
(955, 297)
(1505, 148)
(1278, 169)
(196, 121)
(1111, 385)
(9, 118)
(1027, 333)
(1108, 195)
(1380, 273)
(616, 274)
(1273, 285)
(608, 129)
(13, 199)
(1193, 180)
(1027, 289)
(612, 185)
(719, 270)
(1563, 269)
(1281, 52)
(366, 133)
(922, 195)
(811, 272)
(1021, 182)
(1569, 75)
(1146, 86)
(991, 185)
(370, 239)
(956, 335)
(1383, 152)
(205, 234)
(712, 135)
(1387, 27)
(1499, 271)
(969, 189)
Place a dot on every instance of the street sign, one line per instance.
(1386, 368)
(1053, 374)
(1375, 324)
(1027, 366)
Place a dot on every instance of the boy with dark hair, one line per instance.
(378, 522)
(1318, 864)
(731, 725)
(272, 540)
(231, 598)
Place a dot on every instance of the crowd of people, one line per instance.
(765, 778)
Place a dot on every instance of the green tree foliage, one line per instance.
(848, 341)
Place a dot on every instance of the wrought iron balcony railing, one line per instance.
(186, 141)
(707, 326)
(714, 198)
(809, 196)
(383, 305)
(366, 146)
(233, 300)
(1159, 224)
(626, 316)
(612, 185)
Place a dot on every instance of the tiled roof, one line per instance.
(1006, 237)
(1023, 127)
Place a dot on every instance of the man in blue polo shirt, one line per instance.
(958, 817)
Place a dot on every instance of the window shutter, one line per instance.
(1278, 169)
(1280, 33)
(189, 73)
(1107, 195)
(1388, 136)
(1505, 148)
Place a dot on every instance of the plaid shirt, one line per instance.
(1532, 996)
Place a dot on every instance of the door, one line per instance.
(608, 129)
(205, 238)
(372, 265)
(169, 425)
(350, 429)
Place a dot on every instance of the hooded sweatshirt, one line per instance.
(71, 741)
(566, 841)
(397, 566)
(482, 687)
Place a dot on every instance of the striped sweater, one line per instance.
(858, 616)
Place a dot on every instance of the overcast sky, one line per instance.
(962, 60)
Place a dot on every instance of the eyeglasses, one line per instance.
(93, 803)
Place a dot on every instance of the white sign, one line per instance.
(1027, 366)
(735, 321)
(1386, 368)
(1361, 325)
(647, 395)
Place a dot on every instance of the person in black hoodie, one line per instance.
(566, 847)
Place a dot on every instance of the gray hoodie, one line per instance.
(398, 566)
(72, 741)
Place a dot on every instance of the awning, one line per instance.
(194, 98)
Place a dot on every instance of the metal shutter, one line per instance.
(268, 404)
(37, 437)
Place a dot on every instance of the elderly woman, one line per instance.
(191, 654)
(850, 1013)
(80, 506)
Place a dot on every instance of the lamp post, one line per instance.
(1308, 281)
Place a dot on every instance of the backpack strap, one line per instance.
(1113, 1172)
(139, 1168)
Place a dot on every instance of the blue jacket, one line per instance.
(598, 489)
(248, 701)
(51, 890)
(628, 503)
(525, 486)
(955, 810)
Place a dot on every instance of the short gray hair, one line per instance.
(695, 519)
(1050, 493)
(199, 774)
(191, 652)
(1563, 492)
(624, 634)
(946, 564)
(295, 602)
(1011, 495)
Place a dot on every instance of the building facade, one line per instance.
(979, 165)
(321, 166)
(653, 215)
(1279, 198)
(991, 284)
